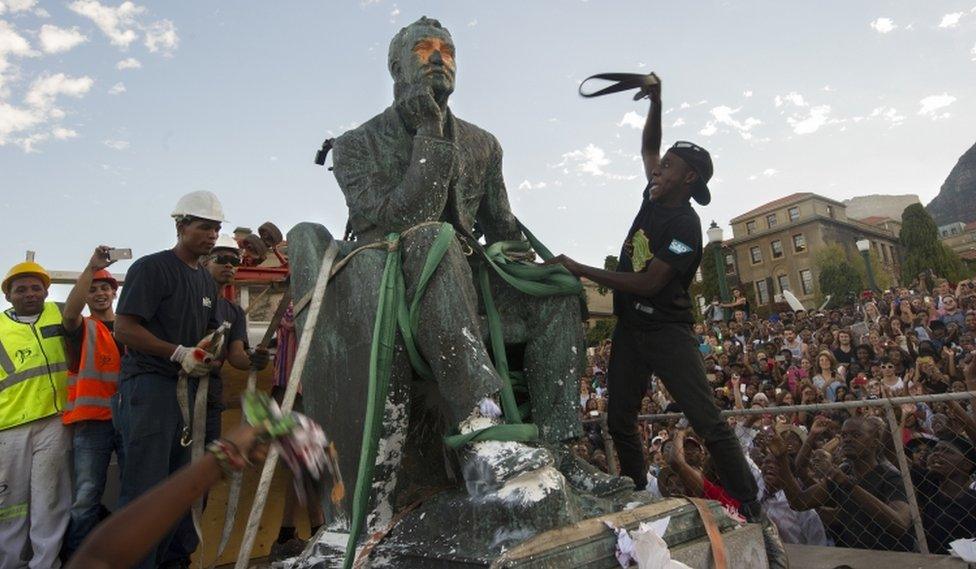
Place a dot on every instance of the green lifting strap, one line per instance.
(394, 312)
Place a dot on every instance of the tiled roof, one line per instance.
(874, 220)
(775, 204)
(970, 226)
(968, 255)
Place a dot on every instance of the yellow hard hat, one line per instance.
(25, 268)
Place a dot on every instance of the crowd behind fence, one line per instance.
(904, 497)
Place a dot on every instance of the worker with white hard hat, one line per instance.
(165, 309)
(35, 473)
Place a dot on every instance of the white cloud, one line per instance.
(527, 185)
(118, 23)
(724, 115)
(23, 125)
(128, 63)
(767, 173)
(18, 5)
(161, 37)
(931, 105)
(62, 133)
(633, 120)
(590, 160)
(747, 94)
(828, 89)
(811, 122)
(889, 114)
(473, 23)
(685, 105)
(883, 25)
(57, 40)
(972, 52)
(792, 98)
(678, 122)
(950, 20)
(12, 43)
(45, 89)
(394, 13)
(117, 89)
(116, 144)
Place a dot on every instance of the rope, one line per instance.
(395, 312)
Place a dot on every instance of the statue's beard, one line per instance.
(442, 88)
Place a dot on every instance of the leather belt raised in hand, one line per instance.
(622, 82)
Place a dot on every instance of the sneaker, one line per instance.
(291, 548)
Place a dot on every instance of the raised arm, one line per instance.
(651, 137)
(691, 479)
(799, 499)
(75, 303)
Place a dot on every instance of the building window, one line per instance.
(750, 227)
(830, 211)
(756, 254)
(799, 243)
(771, 220)
(729, 264)
(701, 303)
(777, 248)
(886, 249)
(698, 275)
(762, 292)
(784, 282)
(794, 213)
(806, 281)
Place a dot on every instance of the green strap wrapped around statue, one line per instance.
(394, 311)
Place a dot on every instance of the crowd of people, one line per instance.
(828, 476)
(74, 389)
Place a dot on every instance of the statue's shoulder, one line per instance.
(382, 127)
(472, 133)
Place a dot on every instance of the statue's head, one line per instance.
(423, 53)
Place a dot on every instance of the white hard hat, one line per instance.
(202, 204)
(225, 241)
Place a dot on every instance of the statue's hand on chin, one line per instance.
(420, 111)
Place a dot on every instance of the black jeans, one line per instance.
(670, 351)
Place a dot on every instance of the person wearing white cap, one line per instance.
(166, 307)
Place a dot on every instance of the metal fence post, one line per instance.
(906, 477)
(608, 445)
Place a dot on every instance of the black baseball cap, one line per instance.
(701, 162)
(963, 445)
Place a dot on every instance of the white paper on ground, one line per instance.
(964, 548)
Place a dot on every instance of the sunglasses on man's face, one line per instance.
(887, 366)
(232, 260)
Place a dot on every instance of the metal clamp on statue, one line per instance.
(451, 363)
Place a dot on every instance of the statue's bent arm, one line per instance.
(385, 202)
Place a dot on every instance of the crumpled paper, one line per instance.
(964, 548)
(645, 546)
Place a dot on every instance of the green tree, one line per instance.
(601, 330)
(881, 277)
(923, 251)
(839, 277)
(609, 263)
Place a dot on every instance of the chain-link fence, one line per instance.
(892, 474)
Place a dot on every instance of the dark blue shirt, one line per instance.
(173, 301)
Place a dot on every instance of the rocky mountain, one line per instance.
(957, 198)
(879, 205)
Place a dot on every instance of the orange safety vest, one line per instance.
(91, 387)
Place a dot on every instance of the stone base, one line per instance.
(472, 535)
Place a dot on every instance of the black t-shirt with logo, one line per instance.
(174, 302)
(672, 235)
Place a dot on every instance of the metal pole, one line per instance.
(608, 445)
(867, 265)
(723, 285)
(906, 478)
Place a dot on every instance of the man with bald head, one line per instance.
(417, 163)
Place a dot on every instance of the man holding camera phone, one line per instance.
(658, 261)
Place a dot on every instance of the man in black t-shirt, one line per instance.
(165, 309)
(658, 261)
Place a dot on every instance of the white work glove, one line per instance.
(194, 361)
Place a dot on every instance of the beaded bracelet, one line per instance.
(228, 456)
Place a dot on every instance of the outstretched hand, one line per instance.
(570, 265)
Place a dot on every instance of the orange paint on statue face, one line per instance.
(426, 47)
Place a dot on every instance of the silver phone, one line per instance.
(119, 254)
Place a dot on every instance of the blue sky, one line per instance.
(109, 112)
